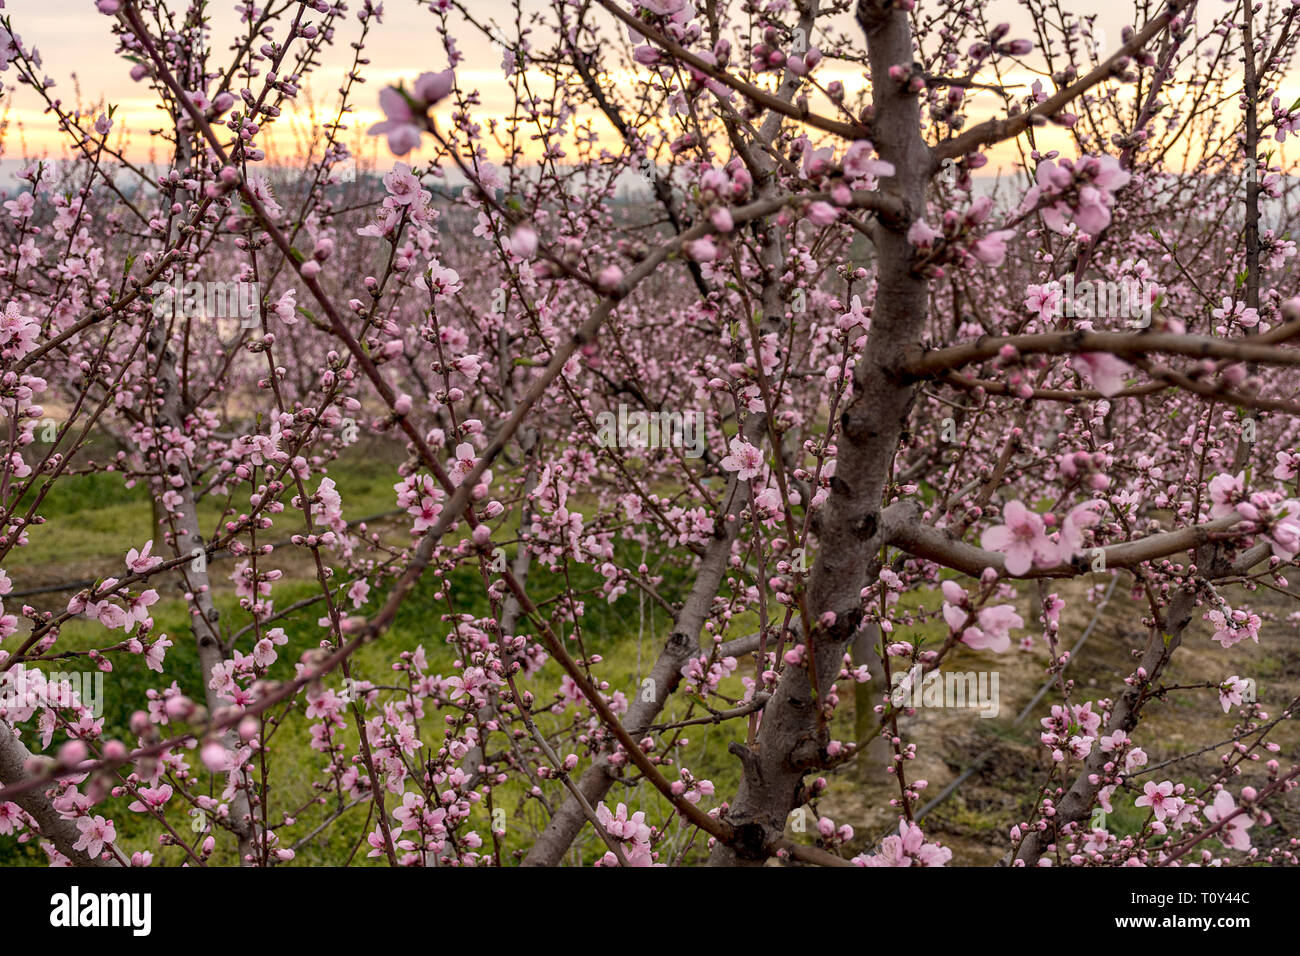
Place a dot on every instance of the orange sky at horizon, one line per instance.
(81, 61)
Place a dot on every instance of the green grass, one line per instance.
(93, 520)
(86, 517)
(92, 517)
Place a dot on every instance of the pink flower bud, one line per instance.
(72, 753)
(524, 242)
(610, 278)
(214, 756)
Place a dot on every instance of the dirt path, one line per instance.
(974, 821)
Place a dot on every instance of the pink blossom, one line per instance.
(1233, 626)
(992, 248)
(401, 184)
(399, 122)
(1233, 832)
(95, 833)
(630, 830)
(1106, 372)
(663, 8)
(921, 235)
(1237, 311)
(153, 656)
(702, 250)
(1022, 540)
(151, 798)
(821, 213)
(1091, 214)
(214, 756)
(994, 632)
(1079, 518)
(429, 88)
(610, 278)
(745, 460)
(1157, 796)
(523, 242)
(907, 848)
(1225, 492)
(142, 561)
(1231, 691)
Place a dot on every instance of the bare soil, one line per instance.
(974, 821)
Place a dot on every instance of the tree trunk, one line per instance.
(793, 735)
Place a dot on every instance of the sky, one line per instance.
(77, 52)
(76, 46)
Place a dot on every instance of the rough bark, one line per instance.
(793, 734)
(684, 641)
(55, 827)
